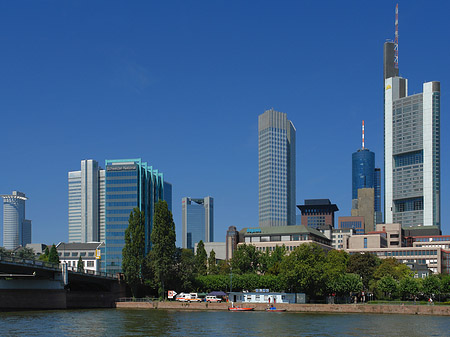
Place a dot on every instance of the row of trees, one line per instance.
(49, 255)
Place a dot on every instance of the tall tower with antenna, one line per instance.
(390, 53)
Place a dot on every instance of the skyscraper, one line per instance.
(276, 152)
(412, 154)
(16, 229)
(197, 221)
(86, 203)
(130, 183)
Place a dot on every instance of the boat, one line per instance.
(273, 309)
(240, 309)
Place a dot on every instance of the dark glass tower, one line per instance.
(363, 170)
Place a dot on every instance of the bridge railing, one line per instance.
(133, 299)
(29, 262)
(92, 272)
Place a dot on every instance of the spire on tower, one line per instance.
(396, 38)
(363, 134)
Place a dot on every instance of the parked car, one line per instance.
(213, 299)
(192, 297)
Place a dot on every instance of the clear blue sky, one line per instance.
(181, 84)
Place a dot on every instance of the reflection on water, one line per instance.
(118, 322)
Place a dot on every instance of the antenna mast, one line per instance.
(396, 39)
(363, 135)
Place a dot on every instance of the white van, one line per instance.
(192, 297)
(213, 299)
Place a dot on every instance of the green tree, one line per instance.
(4, 251)
(44, 256)
(212, 267)
(335, 267)
(408, 287)
(346, 284)
(245, 259)
(303, 270)
(186, 270)
(201, 259)
(133, 252)
(53, 255)
(392, 267)
(431, 286)
(364, 265)
(388, 285)
(80, 265)
(163, 245)
(445, 284)
(24, 253)
(270, 262)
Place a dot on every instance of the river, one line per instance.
(119, 322)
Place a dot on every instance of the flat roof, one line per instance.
(297, 229)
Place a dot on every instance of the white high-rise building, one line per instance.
(86, 203)
(412, 154)
(16, 229)
(276, 157)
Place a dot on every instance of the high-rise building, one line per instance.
(318, 214)
(16, 229)
(412, 149)
(231, 242)
(86, 203)
(366, 175)
(197, 221)
(412, 154)
(276, 152)
(364, 207)
(130, 183)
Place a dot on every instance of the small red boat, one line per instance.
(240, 309)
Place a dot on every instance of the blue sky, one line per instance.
(181, 84)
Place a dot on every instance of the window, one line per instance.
(365, 242)
(90, 263)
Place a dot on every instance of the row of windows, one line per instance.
(121, 203)
(121, 196)
(122, 174)
(117, 218)
(409, 159)
(121, 181)
(118, 211)
(116, 226)
(120, 189)
(114, 234)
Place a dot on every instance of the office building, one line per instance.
(318, 214)
(130, 183)
(86, 203)
(231, 242)
(268, 238)
(412, 154)
(90, 253)
(363, 207)
(276, 158)
(356, 223)
(219, 249)
(197, 221)
(16, 229)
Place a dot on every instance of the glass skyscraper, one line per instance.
(366, 175)
(16, 229)
(130, 183)
(276, 152)
(197, 221)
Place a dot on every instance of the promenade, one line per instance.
(439, 310)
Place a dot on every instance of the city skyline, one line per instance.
(59, 92)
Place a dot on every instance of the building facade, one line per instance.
(129, 183)
(90, 253)
(231, 242)
(86, 203)
(276, 160)
(356, 223)
(197, 221)
(363, 207)
(318, 214)
(16, 229)
(412, 154)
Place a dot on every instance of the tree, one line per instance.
(186, 270)
(388, 285)
(201, 259)
(364, 265)
(270, 262)
(303, 270)
(24, 253)
(212, 267)
(134, 250)
(80, 265)
(335, 267)
(245, 259)
(392, 267)
(408, 287)
(4, 252)
(431, 286)
(53, 255)
(346, 284)
(163, 244)
(44, 256)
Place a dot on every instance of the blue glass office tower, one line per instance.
(197, 221)
(365, 175)
(16, 229)
(130, 183)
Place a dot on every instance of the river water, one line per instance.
(119, 322)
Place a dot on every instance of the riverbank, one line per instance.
(439, 310)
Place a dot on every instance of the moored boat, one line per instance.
(273, 309)
(240, 309)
